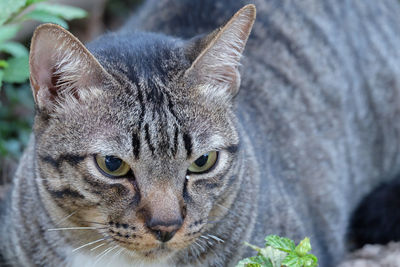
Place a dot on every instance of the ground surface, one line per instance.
(375, 256)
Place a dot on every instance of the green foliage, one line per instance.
(62, 11)
(55, 14)
(281, 251)
(15, 94)
(15, 129)
(281, 243)
(14, 67)
(17, 70)
(9, 7)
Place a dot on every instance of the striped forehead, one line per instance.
(157, 127)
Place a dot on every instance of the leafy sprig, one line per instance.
(14, 67)
(281, 251)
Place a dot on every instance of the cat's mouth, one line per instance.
(157, 253)
(145, 247)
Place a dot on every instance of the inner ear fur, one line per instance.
(60, 63)
(216, 57)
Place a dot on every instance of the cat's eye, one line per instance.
(112, 166)
(204, 163)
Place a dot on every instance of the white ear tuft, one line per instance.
(218, 62)
(60, 64)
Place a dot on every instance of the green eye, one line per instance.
(112, 166)
(204, 163)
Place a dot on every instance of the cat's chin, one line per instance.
(158, 257)
(161, 252)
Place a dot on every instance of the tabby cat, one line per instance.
(145, 151)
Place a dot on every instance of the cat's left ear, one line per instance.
(216, 57)
(60, 65)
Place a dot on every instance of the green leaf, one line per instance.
(3, 64)
(8, 31)
(293, 260)
(15, 49)
(253, 246)
(257, 261)
(65, 12)
(281, 243)
(30, 2)
(17, 70)
(45, 17)
(9, 7)
(310, 260)
(274, 255)
(247, 262)
(304, 247)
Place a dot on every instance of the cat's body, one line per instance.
(317, 119)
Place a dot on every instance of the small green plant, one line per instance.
(14, 67)
(281, 251)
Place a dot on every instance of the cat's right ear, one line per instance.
(216, 57)
(60, 65)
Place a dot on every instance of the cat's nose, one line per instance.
(164, 231)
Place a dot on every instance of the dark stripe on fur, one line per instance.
(73, 160)
(176, 135)
(135, 200)
(151, 147)
(207, 184)
(171, 108)
(232, 149)
(119, 188)
(188, 144)
(65, 193)
(136, 145)
(185, 194)
(142, 107)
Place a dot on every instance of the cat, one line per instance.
(145, 152)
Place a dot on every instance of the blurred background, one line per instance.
(86, 19)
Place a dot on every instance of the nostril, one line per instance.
(164, 231)
(164, 236)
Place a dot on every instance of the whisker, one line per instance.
(75, 228)
(102, 244)
(101, 253)
(105, 253)
(66, 218)
(92, 222)
(203, 242)
(216, 238)
(88, 244)
(232, 212)
(194, 251)
(209, 245)
(116, 255)
(119, 252)
(207, 240)
(200, 246)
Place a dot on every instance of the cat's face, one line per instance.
(142, 146)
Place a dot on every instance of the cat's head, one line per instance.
(136, 135)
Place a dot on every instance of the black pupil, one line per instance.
(113, 163)
(201, 161)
